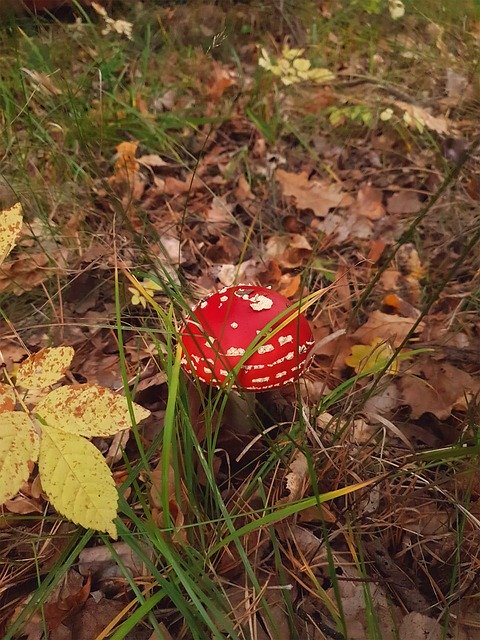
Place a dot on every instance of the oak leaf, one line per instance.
(44, 368)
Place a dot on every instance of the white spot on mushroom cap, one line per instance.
(203, 304)
(223, 298)
(256, 380)
(265, 348)
(235, 351)
(234, 325)
(284, 339)
(223, 372)
(289, 355)
(207, 369)
(281, 374)
(259, 302)
(252, 367)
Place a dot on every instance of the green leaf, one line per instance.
(88, 410)
(18, 445)
(77, 480)
(44, 368)
(10, 224)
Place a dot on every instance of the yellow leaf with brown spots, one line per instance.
(88, 410)
(10, 225)
(44, 368)
(77, 480)
(18, 445)
(7, 398)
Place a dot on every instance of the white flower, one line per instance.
(386, 115)
(396, 8)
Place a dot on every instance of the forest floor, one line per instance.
(161, 154)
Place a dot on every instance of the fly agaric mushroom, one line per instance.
(226, 325)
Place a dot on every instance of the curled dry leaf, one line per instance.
(44, 368)
(298, 478)
(318, 195)
(88, 410)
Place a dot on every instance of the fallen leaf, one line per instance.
(290, 250)
(404, 202)
(318, 195)
(66, 599)
(369, 202)
(222, 79)
(372, 358)
(391, 328)
(297, 480)
(437, 388)
(417, 626)
(418, 114)
(100, 563)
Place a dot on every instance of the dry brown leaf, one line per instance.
(289, 285)
(369, 202)
(290, 251)
(404, 202)
(416, 626)
(67, 598)
(318, 195)
(222, 79)
(390, 328)
(437, 388)
(26, 272)
(438, 124)
(219, 214)
(101, 565)
(126, 178)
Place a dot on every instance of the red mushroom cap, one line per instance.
(225, 325)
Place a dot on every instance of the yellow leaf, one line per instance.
(18, 445)
(302, 64)
(77, 480)
(10, 225)
(88, 410)
(7, 398)
(372, 357)
(44, 368)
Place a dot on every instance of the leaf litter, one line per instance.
(258, 210)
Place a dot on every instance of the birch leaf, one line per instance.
(77, 480)
(10, 225)
(44, 368)
(88, 410)
(18, 445)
